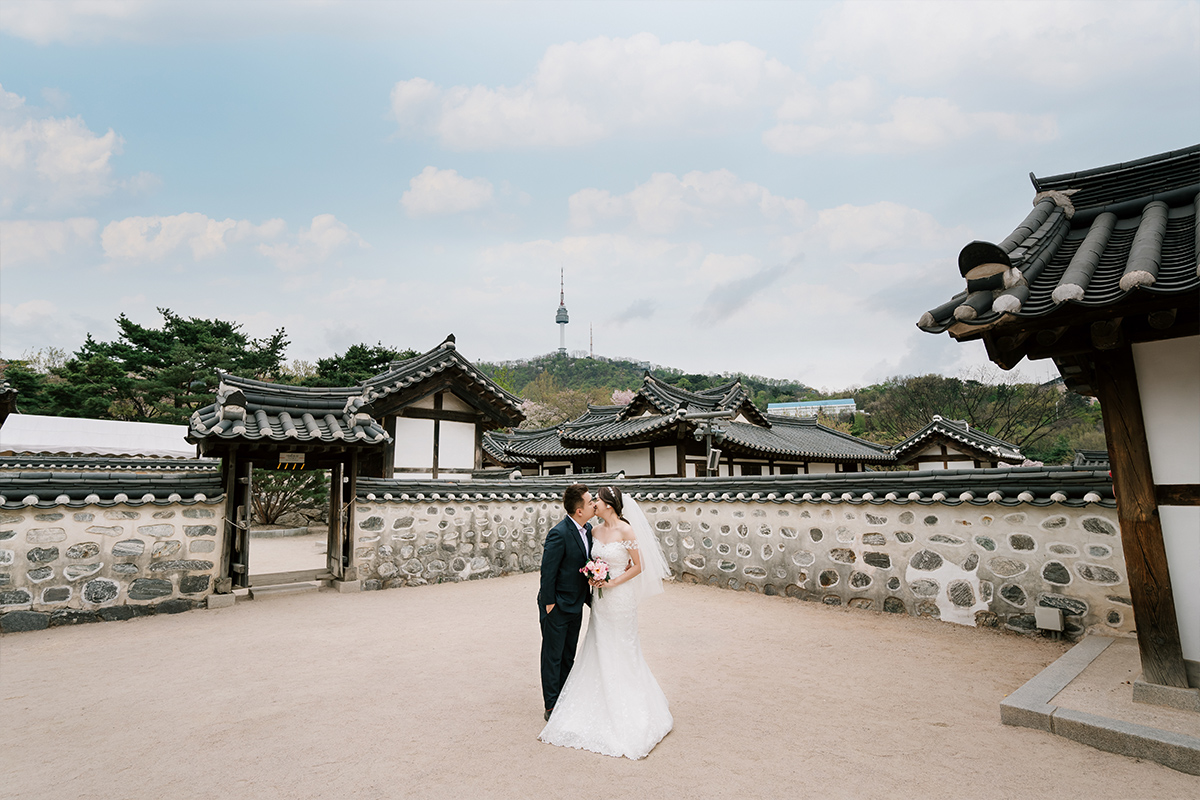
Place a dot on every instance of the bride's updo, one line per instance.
(612, 496)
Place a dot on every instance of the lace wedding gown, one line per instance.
(611, 703)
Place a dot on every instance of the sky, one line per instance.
(778, 189)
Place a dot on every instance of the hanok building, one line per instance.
(538, 451)
(1102, 277)
(954, 444)
(654, 436)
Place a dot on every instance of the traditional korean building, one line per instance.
(538, 451)
(653, 436)
(954, 444)
(1102, 277)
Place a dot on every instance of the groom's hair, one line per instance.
(573, 497)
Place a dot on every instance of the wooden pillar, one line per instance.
(479, 423)
(225, 575)
(335, 547)
(1137, 510)
(349, 503)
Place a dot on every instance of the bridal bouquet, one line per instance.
(596, 570)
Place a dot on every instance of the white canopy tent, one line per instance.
(32, 433)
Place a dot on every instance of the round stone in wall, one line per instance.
(831, 600)
(904, 537)
(986, 542)
(100, 590)
(706, 542)
(843, 555)
(925, 560)
(149, 588)
(39, 555)
(945, 538)
(1099, 550)
(83, 550)
(1099, 526)
(755, 572)
(961, 594)
(15, 597)
(924, 587)
(1113, 618)
(129, 547)
(860, 580)
(695, 561)
(971, 562)
(767, 552)
(1069, 605)
(202, 546)
(1063, 550)
(874, 539)
(743, 550)
(723, 549)
(931, 520)
(843, 535)
(803, 558)
(164, 549)
(893, 583)
(1021, 541)
(1006, 567)
(893, 605)
(906, 518)
(928, 608)
(829, 578)
(386, 569)
(122, 568)
(1055, 572)
(816, 534)
(1054, 523)
(726, 566)
(787, 533)
(56, 594)
(877, 560)
(40, 574)
(1097, 574)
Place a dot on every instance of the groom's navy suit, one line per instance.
(566, 588)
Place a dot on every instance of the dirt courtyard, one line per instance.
(434, 692)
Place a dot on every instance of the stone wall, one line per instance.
(71, 564)
(410, 543)
(983, 564)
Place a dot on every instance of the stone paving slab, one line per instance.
(433, 692)
(1087, 696)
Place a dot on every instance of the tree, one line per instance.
(359, 362)
(32, 386)
(548, 403)
(278, 492)
(160, 374)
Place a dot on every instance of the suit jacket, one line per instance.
(562, 557)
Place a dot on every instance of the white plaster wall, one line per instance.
(414, 442)
(664, 461)
(821, 469)
(1181, 538)
(634, 462)
(1168, 376)
(456, 445)
(451, 402)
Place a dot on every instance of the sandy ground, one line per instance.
(288, 553)
(433, 692)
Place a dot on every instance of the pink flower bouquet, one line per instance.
(596, 570)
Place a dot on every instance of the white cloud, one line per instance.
(30, 240)
(315, 244)
(586, 91)
(52, 162)
(667, 202)
(444, 191)
(884, 228)
(911, 123)
(155, 238)
(1059, 44)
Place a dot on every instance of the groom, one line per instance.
(564, 590)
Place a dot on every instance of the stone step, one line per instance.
(284, 588)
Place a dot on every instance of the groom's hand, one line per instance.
(549, 608)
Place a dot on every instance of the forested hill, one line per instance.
(591, 374)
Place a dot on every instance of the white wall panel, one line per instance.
(1181, 539)
(414, 443)
(633, 462)
(1168, 374)
(664, 461)
(456, 445)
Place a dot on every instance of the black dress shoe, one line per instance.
(548, 710)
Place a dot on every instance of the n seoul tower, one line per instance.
(561, 317)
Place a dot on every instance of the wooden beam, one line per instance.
(1137, 512)
(1177, 494)
(441, 414)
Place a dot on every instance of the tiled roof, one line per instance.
(612, 430)
(256, 410)
(534, 444)
(803, 438)
(1099, 238)
(442, 359)
(1093, 459)
(47, 463)
(666, 398)
(1041, 486)
(963, 434)
(76, 489)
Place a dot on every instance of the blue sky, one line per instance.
(775, 188)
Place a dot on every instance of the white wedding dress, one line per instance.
(611, 703)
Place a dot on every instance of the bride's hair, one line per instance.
(612, 496)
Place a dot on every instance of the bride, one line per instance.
(611, 703)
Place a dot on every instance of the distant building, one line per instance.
(812, 408)
(954, 444)
(560, 318)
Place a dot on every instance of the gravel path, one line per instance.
(433, 692)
